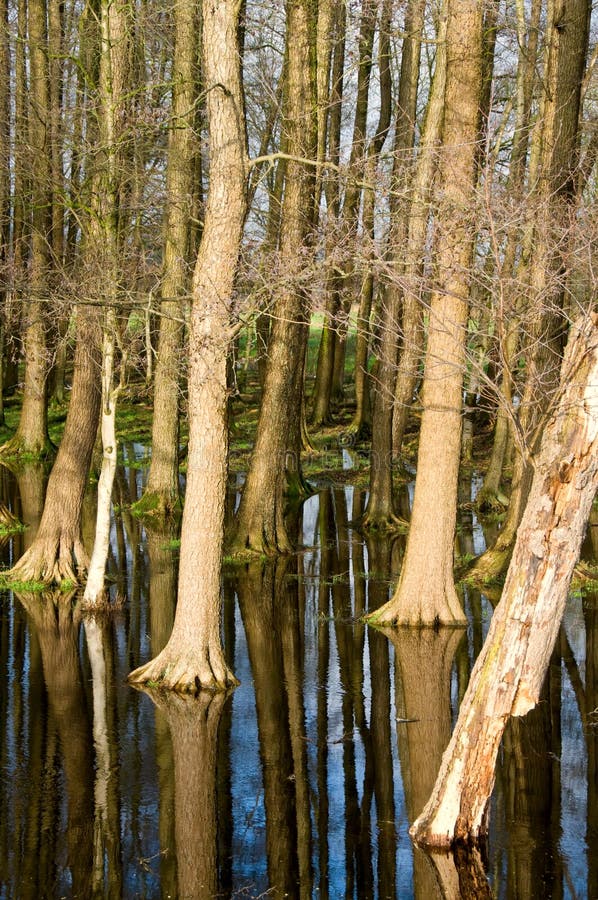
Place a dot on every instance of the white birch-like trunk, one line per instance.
(94, 588)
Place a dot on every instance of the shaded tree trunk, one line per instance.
(379, 513)
(275, 468)
(162, 491)
(509, 673)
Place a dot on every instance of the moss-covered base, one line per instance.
(159, 507)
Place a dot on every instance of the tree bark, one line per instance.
(379, 513)
(413, 294)
(31, 436)
(57, 552)
(193, 658)
(426, 592)
(275, 468)
(162, 492)
(509, 673)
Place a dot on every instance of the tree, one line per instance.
(275, 467)
(57, 552)
(508, 674)
(193, 657)
(32, 434)
(426, 592)
(162, 491)
(545, 271)
(379, 512)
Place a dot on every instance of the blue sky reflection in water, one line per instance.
(303, 781)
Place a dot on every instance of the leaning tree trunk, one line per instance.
(508, 675)
(58, 553)
(426, 592)
(193, 657)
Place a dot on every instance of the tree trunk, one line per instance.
(162, 491)
(275, 468)
(379, 513)
(509, 673)
(331, 358)
(32, 434)
(362, 419)
(94, 588)
(426, 592)
(57, 552)
(193, 657)
(413, 299)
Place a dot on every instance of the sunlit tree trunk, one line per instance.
(509, 673)
(162, 490)
(193, 657)
(275, 467)
(57, 552)
(426, 592)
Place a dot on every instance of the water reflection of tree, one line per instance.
(51, 618)
(193, 723)
(268, 602)
(531, 785)
(162, 599)
(423, 665)
(591, 733)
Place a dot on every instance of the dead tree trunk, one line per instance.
(509, 672)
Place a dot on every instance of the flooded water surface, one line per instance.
(303, 781)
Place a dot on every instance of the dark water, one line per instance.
(303, 782)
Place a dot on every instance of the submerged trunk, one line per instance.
(509, 673)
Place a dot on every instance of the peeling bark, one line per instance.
(509, 673)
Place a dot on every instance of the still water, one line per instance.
(303, 781)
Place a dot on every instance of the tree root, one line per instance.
(17, 447)
(8, 520)
(490, 502)
(490, 565)
(383, 523)
(185, 672)
(51, 562)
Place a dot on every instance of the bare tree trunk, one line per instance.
(193, 657)
(379, 513)
(32, 434)
(57, 552)
(413, 299)
(426, 592)
(162, 492)
(362, 419)
(331, 358)
(275, 468)
(509, 673)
